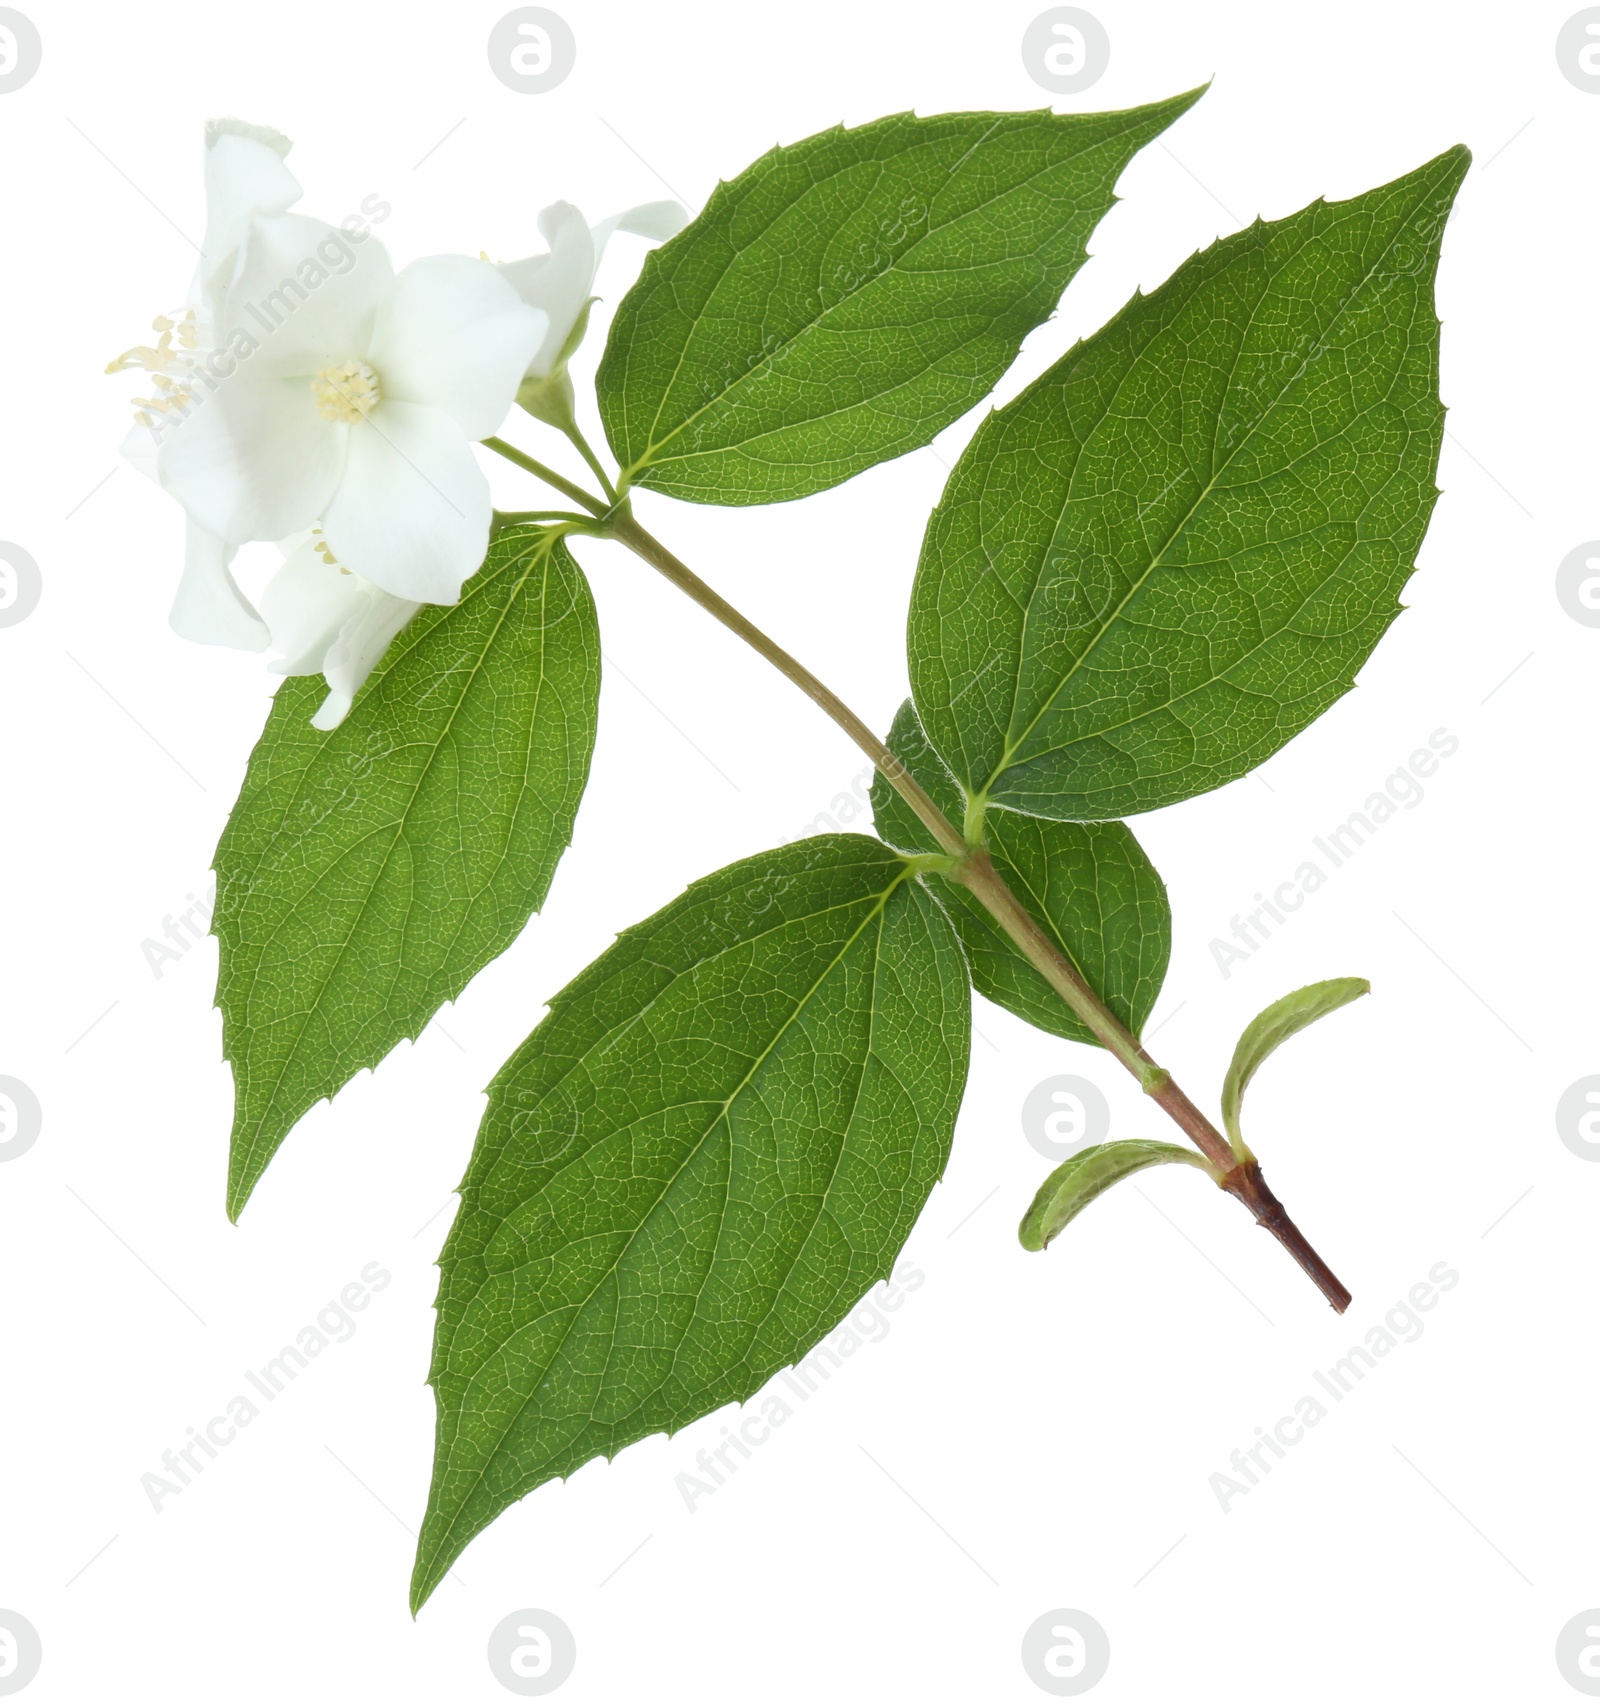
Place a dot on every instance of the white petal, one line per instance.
(305, 604)
(209, 608)
(454, 334)
(139, 448)
(559, 282)
(245, 175)
(305, 294)
(254, 458)
(657, 220)
(358, 650)
(412, 511)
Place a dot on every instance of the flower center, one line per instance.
(348, 392)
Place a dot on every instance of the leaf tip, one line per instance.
(430, 1567)
(240, 1189)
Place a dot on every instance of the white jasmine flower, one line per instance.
(562, 284)
(346, 394)
(306, 385)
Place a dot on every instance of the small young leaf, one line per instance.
(844, 299)
(1265, 1034)
(367, 874)
(1174, 550)
(1088, 885)
(710, 1149)
(1090, 1173)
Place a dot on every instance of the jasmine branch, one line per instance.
(974, 869)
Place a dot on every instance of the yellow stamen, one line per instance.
(347, 393)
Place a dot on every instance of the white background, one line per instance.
(1056, 1416)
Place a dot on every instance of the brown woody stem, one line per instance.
(1246, 1182)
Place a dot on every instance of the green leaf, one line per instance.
(1090, 1173)
(1265, 1034)
(846, 298)
(1089, 886)
(711, 1148)
(367, 874)
(1173, 551)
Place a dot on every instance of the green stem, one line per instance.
(974, 869)
(549, 475)
(581, 444)
(513, 517)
